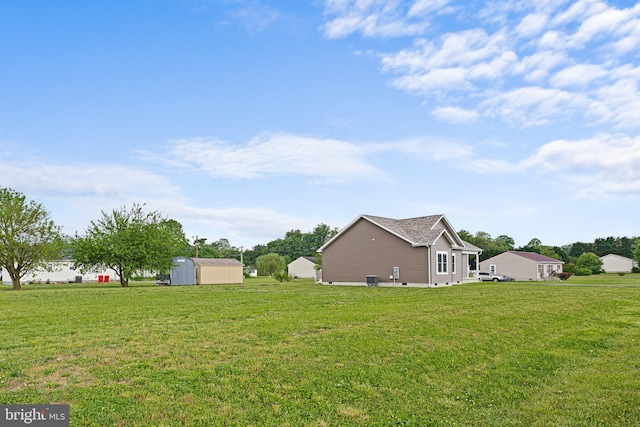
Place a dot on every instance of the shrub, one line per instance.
(282, 276)
(591, 261)
(583, 272)
(621, 273)
(569, 267)
(635, 270)
(564, 275)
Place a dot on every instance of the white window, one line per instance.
(442, 260)
(492, 268)
(453, 263)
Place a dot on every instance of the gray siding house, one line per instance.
(422, 252)
(522, 265)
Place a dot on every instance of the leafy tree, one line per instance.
(534, 245)
(636, 251)
(550, 252)
(129, 241)
(270, 264)
(28, 236)
(294, 244)
(490, 247)
(602, 247)
(591, 261)
(578, 248)
(202, 249)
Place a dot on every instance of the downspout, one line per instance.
(429, 263)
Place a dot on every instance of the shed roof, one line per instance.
(218, 262)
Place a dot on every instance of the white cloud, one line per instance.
(422, 7)
(379, 18)
(530, 106)
(103, 181)
(579, 75)
(600, 166)
(532, 25)
(537, 67)
(255, 224)
(504, 55)
(275, 154)
(455, 115)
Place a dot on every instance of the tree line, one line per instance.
(127, 240)
(132, 240)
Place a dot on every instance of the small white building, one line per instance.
(303, 267)
(63, 271)
(617, 264)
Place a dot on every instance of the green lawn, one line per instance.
(264, 353)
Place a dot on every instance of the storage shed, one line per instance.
(183, 272)
(218, 271)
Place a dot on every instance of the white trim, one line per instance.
(453, 263)
(446, 263)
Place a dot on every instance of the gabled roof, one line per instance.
(419, 231)
(536, 257)
(616, 256)
(311, 259)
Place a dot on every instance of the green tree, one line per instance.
(534, 245)
(28, 236)
(550, 252)
(591, 261)
(270, 264)
(129, 241)
(636, 251)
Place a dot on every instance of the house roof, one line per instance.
(418, 231)
(311, 259)
(616, 256)
(536, 257)
(218, 262)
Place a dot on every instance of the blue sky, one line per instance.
(244, 119)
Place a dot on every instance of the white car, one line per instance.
(491, 277)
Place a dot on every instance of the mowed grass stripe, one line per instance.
(265, 353)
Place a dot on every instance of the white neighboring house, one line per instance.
(617, 264)
(303, 267)
(62, 272)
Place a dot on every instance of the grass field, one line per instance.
(298, 354)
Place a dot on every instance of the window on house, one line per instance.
(453, 263)
(492, 268)
(443, 262)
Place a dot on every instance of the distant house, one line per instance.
(617, 264)
(62, 271)
(422, 252)
(303, 267)
(206, 271)
(522, 265)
